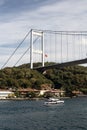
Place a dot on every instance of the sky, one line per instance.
(17, 17)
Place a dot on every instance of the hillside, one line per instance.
(68, 78)
(18, 77)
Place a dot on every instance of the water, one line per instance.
(33, 115)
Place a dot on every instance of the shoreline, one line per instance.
(36, 99)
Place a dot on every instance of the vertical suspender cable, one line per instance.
(74, 46)
(55, 47)
(61, 47)
(85, 47)
(73, 36)
(67, 46)
(50, 48)
(81, 46)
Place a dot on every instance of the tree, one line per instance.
(31, 94)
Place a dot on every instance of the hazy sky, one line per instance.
(17, 17)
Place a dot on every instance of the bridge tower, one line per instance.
(32, 50)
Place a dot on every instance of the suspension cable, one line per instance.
(67, 45)
(16, 49)
(55, 47)
(72, 32)
(61, 48)
(21, 56)
(25, 52)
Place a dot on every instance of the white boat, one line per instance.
(53, 101)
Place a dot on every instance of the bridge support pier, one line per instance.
(39, 34)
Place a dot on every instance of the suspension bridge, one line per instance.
(60, 48)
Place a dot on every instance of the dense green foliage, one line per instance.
(68, 78)
(21, 78)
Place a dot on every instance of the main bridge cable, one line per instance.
(16, 49)
(63, 32)
(25, 52)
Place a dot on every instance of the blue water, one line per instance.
(33, 115)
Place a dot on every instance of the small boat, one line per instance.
(53, 101)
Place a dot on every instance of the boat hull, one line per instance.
(54, 102)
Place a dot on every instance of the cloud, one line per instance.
(19, 16)
(2, 2)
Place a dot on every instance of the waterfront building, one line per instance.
(23, 92)
(5, 94)
(56, 92)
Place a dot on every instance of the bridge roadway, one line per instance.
(60, 65)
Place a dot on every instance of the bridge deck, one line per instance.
(60, 65)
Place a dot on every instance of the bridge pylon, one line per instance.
(32, 50)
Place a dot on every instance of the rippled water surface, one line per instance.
(33, 115)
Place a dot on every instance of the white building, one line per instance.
(5, 94)
(42, 92)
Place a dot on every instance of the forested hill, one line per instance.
(71, 78)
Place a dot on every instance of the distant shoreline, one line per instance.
(36, 99)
